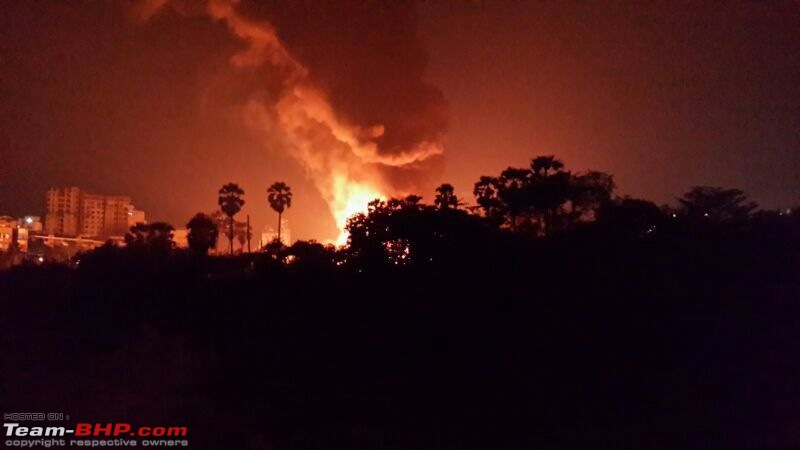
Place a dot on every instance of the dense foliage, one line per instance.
(558, 316)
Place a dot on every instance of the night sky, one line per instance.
(144, 99)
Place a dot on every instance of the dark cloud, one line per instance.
(369, 58)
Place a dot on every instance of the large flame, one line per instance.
(349, 199)
(338, 163)
(342, 159)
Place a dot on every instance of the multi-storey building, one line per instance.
(74, 212)
(8, 226)
(135, 216)
(63, 210)
(14, 234)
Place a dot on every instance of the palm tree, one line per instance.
(156, 236)
(445, 197)
(486, 193)
(230, 202)
(221, 220)
(243, 233)
(279, 196)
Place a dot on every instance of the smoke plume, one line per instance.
(343, 92)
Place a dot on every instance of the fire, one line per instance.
(349, 199)
(343, 159)
(335, 159)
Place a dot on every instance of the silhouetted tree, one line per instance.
(230, 202)
(514, 190)
(446, 197)
(280, 198)
(400, 232)
(548, 192)
(221, 220)
(716, 204)
(589, 191)
(543, 198)
(274, 249)
(486, 195)
(407, 203)
(203, 233)
(630, 217)
(154, 237)
(309, 254)
(242, 232)
(713, 213)
(768, 224)
(542, 164)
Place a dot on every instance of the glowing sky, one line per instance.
(663, 95)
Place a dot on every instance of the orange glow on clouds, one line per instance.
(342, 159)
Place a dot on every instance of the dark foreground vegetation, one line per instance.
(522, 327)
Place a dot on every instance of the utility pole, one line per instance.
(247, 232)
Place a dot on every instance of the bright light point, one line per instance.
(29, 220)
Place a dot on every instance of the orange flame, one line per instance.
(342, 159)
(348, 199)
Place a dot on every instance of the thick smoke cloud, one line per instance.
(343, 91)
(368, 58)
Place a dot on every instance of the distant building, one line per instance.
(8, 226)
(63, 210)
(31, 223)
(74, 212)
(21, 236)
(270, 234)
(135, 216)
(16, 232)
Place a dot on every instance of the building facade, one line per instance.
(15, 233)
(75, 212)
(8, 226)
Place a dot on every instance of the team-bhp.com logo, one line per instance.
(93, 430)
